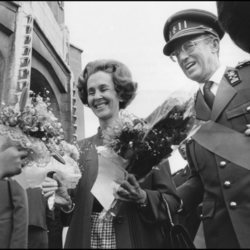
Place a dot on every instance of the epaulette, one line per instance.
(242, 64)
(232, 76)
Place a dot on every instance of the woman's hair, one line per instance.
(121, 76)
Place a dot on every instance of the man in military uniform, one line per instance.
(218, 153)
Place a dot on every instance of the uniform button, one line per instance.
(223, 164)
(201, 216)
(227, 184)
(233, 204)
(248, 109)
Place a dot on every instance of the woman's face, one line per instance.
(102, 97)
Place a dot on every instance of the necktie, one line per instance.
(208, 94)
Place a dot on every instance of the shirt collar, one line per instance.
(216, 77)
(218, 74)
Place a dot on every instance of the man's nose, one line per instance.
(182, 56)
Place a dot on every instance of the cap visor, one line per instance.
(168, 48)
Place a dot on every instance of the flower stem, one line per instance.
(115, 207)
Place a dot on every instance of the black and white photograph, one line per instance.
(124, 124)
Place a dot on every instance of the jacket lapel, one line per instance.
(224, 95)
(93, 158)
(203, 112)
(90, 159)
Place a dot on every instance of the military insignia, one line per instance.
(174, 30)
(177, 27)
(233, 77)
(242, 64)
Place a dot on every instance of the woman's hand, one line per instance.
(130, 190)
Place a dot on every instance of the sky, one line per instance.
(132, 32)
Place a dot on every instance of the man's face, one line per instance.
(197, 57)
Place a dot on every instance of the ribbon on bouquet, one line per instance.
(225, 142)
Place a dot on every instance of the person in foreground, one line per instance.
(11, 161)
(106, 86)
(218, 154)
(13, 201)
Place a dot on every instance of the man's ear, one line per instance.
(215, 44)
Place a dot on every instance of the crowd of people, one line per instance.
(213, 189)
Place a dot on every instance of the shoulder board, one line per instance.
(232, 76)
(242, 64)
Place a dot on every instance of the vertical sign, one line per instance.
(24, 71)
(20, 59)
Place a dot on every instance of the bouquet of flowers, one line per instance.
(30, 124)
(176, 116)
(144, 143)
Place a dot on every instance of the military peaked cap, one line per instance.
(189, 23)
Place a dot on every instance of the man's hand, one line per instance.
(52, 186)
(11, 161)
(130, 190)
(49, 186)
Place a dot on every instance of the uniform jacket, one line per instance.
(190, 221)
(223, 187)
(13, 215)
(134, 227)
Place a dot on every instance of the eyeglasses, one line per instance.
(187, 47)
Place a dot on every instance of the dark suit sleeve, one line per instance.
(19, 236)
(191, 191)
(161, 182)
(66, 217)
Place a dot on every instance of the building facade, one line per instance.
(35, 51)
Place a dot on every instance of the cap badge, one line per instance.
(178, 27)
